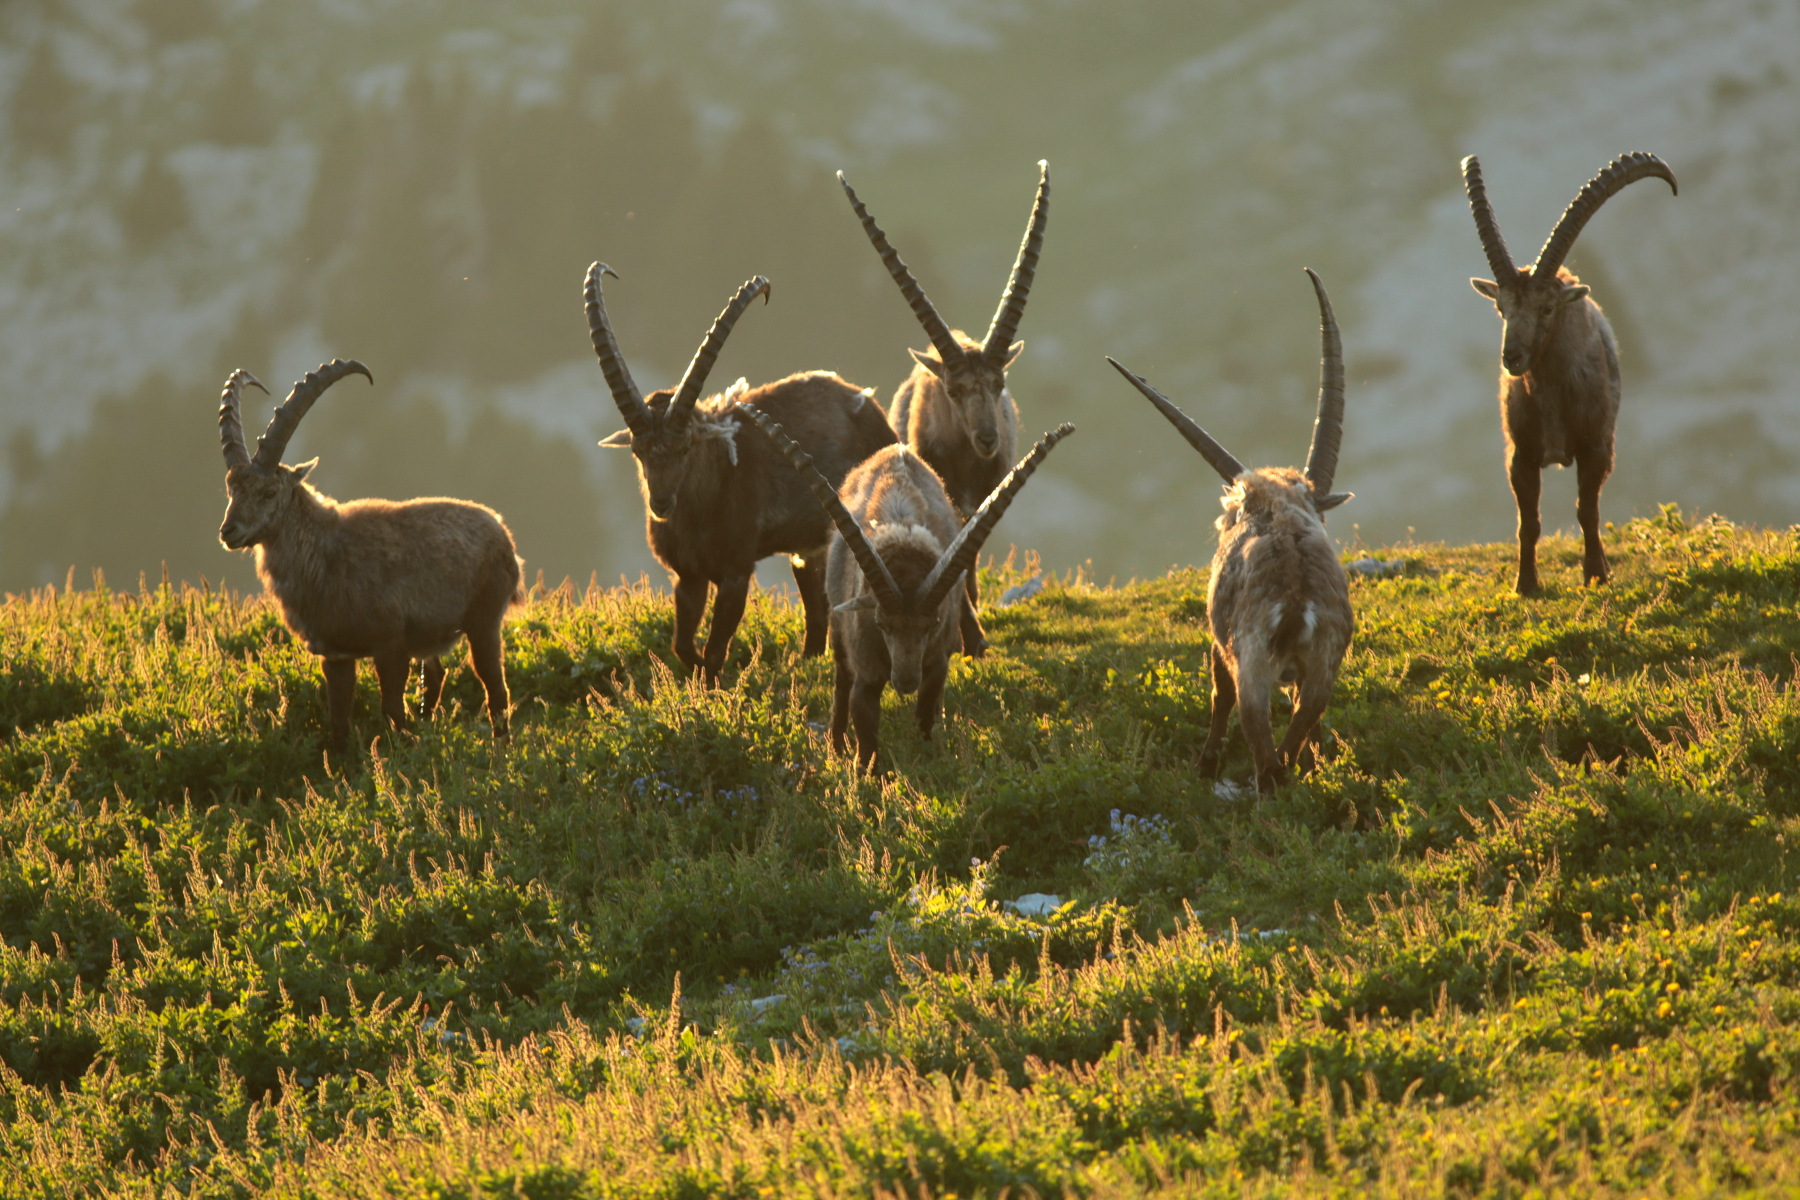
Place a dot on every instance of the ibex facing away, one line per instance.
(954, 410)
(1559, 376)
(371, 578)
(1278, 601)
(718, 501)
(895, 581)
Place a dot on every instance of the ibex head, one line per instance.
(1528, 299)
(914, 587)
(973, 373)
(261, 488)
(1328, 425)
(660, 432)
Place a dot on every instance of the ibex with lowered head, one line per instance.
(717, 502)
(895, 578)
(954, 410)
(1278, 601)
(1559, 364)
(371, 578)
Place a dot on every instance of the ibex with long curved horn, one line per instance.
(954, 409)
(895, 582)
(1559, 377)
(1278, 601)
(716, 502)
(370, 578)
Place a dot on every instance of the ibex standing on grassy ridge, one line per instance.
(1278, 601)
(954, 410)
(371, 578)
(895, 579)
(1559, 377)
(717, 502)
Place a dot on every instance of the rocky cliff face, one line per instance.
(188, 186)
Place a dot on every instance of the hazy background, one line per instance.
(188, 186)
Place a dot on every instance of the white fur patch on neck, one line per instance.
(720, 425)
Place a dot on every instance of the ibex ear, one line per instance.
(1331, 500)
(617, 441)
(929, 363)
(302, 470)
(858, 603)
(1486, 287)
(1571, 294)
(1012, 354)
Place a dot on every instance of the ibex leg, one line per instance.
(931, 695)
(393, 669)
(1315, 694)
(974, 638)
(340, 698)
(865, 718)
(1591, 470)
(1255, 689)
(840, 693)
(1525, 473)
(811, 581)
(728, 610)
(433, 670)
(690, 605)
(487, 653)
(1224, 697)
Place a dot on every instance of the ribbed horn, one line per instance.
(606, 348)
(695, 377)
(1328, 426)
(273, 443)
(947, 347)
(1228, 467)
(960, 555)
(1615, 175)
(231, 418)
(1018, 287)
(887, 592)
(1500, 261)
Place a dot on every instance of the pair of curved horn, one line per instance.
(273, 443)
(1012, 302)
(624, 390)
(1613, 177)
(956, 558)
(1328, 425)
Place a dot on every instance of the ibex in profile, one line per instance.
(718, 502)
(1559, 377)
(1278, 601)
(371, 578)
(895, 578)
(954, 410)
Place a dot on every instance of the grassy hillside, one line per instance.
(1530, 926)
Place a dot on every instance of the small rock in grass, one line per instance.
(1375, 568)
(1230, 792)
(763, 1004)
(1020, 593)
(1035, 904)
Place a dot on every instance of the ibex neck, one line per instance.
(302, 545)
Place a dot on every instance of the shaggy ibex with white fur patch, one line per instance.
(954, 410)
(895, 578)
(1278, 601)
(1559, 364)
(370, 578)
(717, 501)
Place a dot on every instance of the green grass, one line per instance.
(1528, 930)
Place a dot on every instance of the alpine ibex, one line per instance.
(896, 587)
(716, 502)
(954, 410)
(371, 578)
(1559, 376)
(1278, 601)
